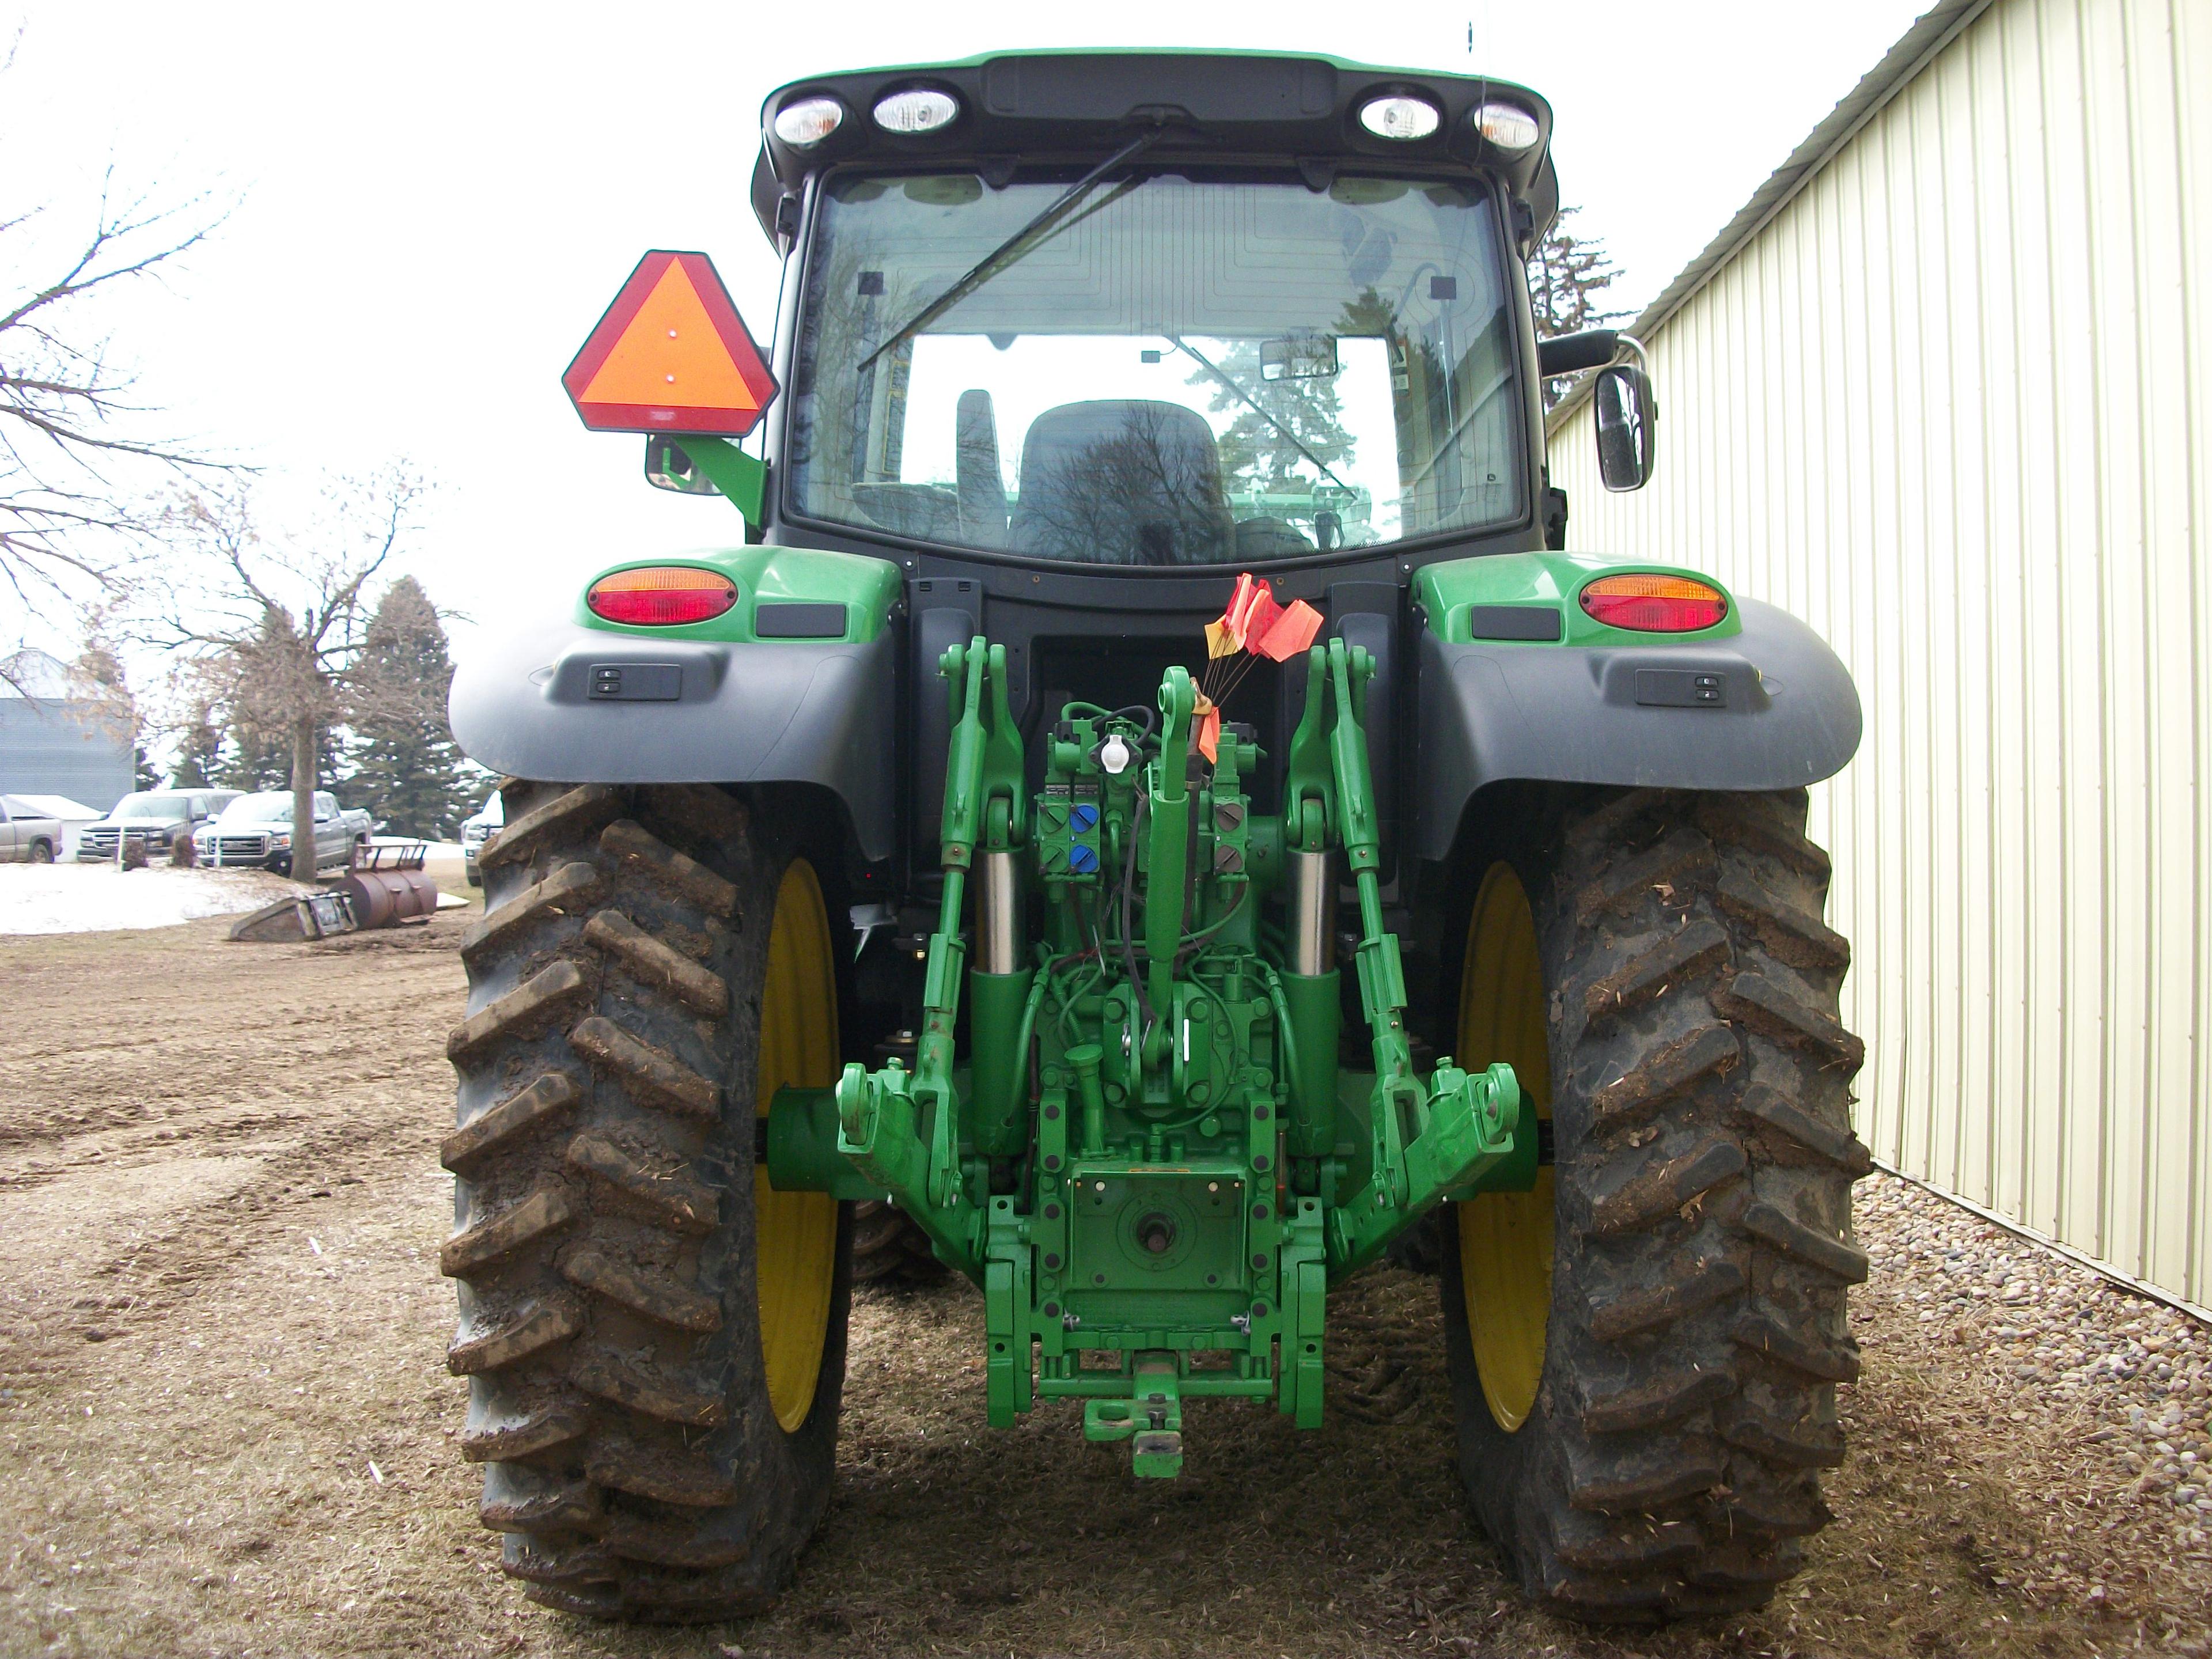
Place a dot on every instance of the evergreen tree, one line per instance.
(252, 759)
(1568, 276)
(199, 750)
(407, 770)
(250, 696)
(1273, 448)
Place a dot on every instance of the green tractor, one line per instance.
(1148, 814)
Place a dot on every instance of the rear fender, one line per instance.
(743, 699)
(1758, 703)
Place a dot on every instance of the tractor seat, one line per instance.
(1122, 481)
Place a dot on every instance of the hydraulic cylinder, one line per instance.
(1310, 997)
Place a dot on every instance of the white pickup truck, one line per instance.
(256, 830)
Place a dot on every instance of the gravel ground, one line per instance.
(2052, 1360)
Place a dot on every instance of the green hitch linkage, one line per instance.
(884, 1116)
(1167, 871)
(1423, 1142)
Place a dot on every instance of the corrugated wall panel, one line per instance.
(2192, 65)
(1947, 406)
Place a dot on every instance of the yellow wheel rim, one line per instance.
(795, 1234)
(1505, 1238)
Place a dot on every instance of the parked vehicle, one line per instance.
(475, 830)
(1063, 336)
(158, 817)
(256, 830)
(26, 836)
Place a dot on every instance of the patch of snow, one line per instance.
(55, 806)
(436, 851)
(98, 898)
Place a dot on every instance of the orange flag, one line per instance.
(1206, 728)
(1232, 618)
(1291, 632)
(1259, 616)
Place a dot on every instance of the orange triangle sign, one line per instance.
(671, 355)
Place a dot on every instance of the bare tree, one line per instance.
(272, 624)
(105, 686)
(73, 450)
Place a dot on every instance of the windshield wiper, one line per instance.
(1200, 358)
(990, 264)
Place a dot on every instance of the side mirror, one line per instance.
(667, 466)
(1626, 414)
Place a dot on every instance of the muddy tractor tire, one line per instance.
(1644, 1350)
(654, 1340)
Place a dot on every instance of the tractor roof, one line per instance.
(1226, 107)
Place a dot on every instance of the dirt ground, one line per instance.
(226, 1426)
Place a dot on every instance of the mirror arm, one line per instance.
(742, 477)
(1594, 347)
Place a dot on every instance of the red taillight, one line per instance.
(1655, 604)
(662, 595)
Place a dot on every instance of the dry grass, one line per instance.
(226, 1428)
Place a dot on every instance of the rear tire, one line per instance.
(1644, 1365)
(654, 1340)
(42, 852)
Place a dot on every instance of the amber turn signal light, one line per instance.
(1655, 604)
(661, 595)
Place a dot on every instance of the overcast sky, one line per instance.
(434, 203)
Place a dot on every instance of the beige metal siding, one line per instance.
(1950, 406)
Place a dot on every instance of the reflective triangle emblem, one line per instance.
(671, 355)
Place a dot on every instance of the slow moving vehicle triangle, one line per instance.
(671, 355)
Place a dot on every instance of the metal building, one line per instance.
(59, 736)
(1944, 389)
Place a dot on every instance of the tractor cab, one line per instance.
(1107, 312)
(1075, 335)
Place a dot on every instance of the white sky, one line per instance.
(437, 201)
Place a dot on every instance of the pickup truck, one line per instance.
(26, 835)
(256, 830)
(477, 829)
(157, 816)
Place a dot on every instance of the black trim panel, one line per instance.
(1513, 622)
(778, 619)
